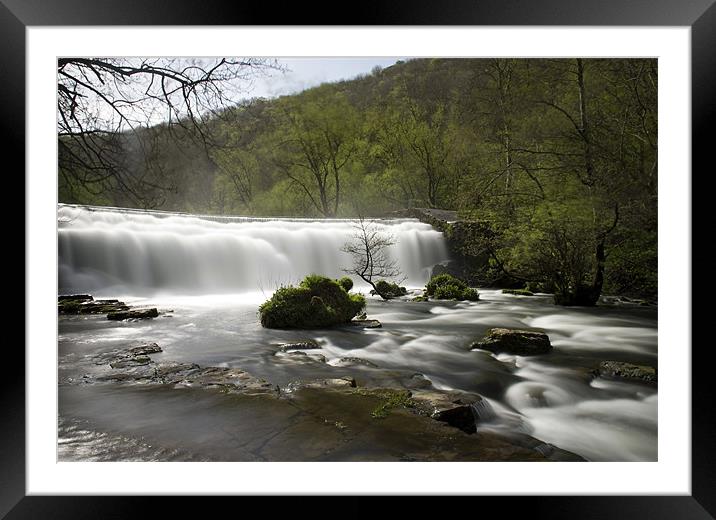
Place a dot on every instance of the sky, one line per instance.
(305, 73)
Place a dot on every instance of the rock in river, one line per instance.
(307, 344)
(514, 341)
(133, 315)
(626, 371)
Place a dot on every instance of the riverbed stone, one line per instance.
(458, 409)
(514, 341)
(146, 348)
(137, 314)
(85, 304)
(366, 324)
(626, 371)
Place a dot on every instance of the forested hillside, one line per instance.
(557, 156)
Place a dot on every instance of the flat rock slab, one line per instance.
(366, 324)
(514, 341)
(82, 305)
(626, 371)
(139, 314)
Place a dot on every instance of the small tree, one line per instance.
(368, 247)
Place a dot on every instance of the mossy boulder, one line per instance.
(447, 287)
(317, 302)
(514, 341)
(388, 289)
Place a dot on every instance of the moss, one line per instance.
(346, 283)
(388, 289)
(396, 400)
(420, 299)
(317, 302)
(390, 399)
(447, 287)
(518, 292)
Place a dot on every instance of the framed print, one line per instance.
(413, 246)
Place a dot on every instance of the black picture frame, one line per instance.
(699, 15)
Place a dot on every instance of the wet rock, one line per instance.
(458, 409)
(626, 371)
(419, 299)
(228, 379)
(85, 304)
(343, 382)
(140, 314)
(75, 297)
(131, 362)
(147, 348)
(302, 357)
(514, 341)
(418, 381)
(518, 292)
(366, 324)
(307, 344)
(353, 361)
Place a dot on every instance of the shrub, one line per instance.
(387, 289)
(346, 283)
(447, 287)
(317, 302)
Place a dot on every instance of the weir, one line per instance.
(134, 252)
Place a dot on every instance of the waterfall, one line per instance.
(121, 251)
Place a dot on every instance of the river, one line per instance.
(208, 276)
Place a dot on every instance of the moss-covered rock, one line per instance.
(388, 289)
(346, 283)
(447, 287)
(317, 302)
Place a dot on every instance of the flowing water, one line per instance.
(212, 273)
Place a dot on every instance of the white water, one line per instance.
(129, 252)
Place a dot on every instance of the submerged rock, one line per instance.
(514, 341)
(342, 382)
(133, 315)
(353, 361)
(626, 371)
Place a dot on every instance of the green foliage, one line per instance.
(388, 289)
(346, 282)
(447, 287)
(317, 302)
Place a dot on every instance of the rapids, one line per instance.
(178, 262)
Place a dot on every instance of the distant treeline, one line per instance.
(558, 155)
